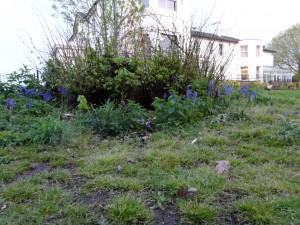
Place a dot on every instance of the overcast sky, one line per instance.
(258, 19)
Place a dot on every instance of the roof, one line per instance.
(275, 69)
(211, 36)
(268, 50)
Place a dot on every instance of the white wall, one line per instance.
(252, 61)
(268, 58)
(162, 20)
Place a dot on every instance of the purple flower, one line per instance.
(62, 90)
(227, 89)
(30, 92)
(244, 90)
(10, 103)
(23, 90)
(217, 93)
(188, 93)
(47, 97)
(253, 94)
(271, 112)
(148, 125)
(175, 79)
(285, 115)
(295, 113)
(165, 96)
(39, 93)
(195, 94)
(211, 86)
(28, 105)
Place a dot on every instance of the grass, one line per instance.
(128, 181)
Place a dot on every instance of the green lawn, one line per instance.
(135, 180)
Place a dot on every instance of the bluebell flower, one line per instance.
(30, 92)
(227, 89)
(62, 91)
(188, 93)
(271, 112)
(23, 90)
(47, 97)
(165, 96)
(10, 103)
(175, 79)
(211, 86)
(285, 115)
(195, 94)
(28, 105)
(188, 86)
(148, 125)
(244, 90)
(253, 94)
(217, 93)
(295, 113)
(40, 93)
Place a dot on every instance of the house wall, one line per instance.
(158, 20)
(268, 58)
(253, 61)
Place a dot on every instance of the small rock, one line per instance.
(222, 166)
(145, 138)
(119, 168)
(130, 159)
(4, 206)
(191, 193)
(66, 116)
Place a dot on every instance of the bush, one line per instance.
(113, 119)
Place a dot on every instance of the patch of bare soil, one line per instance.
(166, 216)
(36, 169)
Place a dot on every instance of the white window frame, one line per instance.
(168, 4)
(257, 50)
(244, 51)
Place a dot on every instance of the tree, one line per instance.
(106, 25)
(287, 47)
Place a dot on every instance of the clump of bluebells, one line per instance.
(10, 104)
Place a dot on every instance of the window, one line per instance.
(244, 71)
(257, 72)
(167, 4)
(257, 50)
(167, 42)
(244, 51)
(210, 47)
(221, 51)
(146, 3)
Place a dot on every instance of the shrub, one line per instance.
(292, 85)
(113, 119)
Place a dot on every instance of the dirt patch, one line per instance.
(36, 169)
(99, 198)
(166, 216)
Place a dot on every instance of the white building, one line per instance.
(164, 20)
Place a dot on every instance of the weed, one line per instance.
(126, 210)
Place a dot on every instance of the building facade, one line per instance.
(163, 21)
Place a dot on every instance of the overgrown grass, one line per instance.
(134, 177)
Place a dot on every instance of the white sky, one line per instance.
(259, 19)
